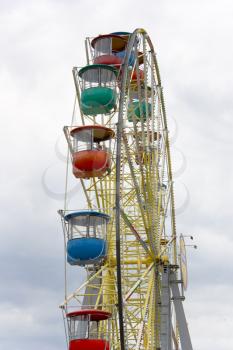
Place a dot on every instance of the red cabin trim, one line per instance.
(95, 315)
(109, 59)
(135, 74)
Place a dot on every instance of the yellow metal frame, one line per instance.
(148, 230)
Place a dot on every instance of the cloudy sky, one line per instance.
(40, 43)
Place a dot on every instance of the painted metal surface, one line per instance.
(98, 100)
(185, 339)
(89, 344)
(183, 263)
(86, 251)
(94, 315)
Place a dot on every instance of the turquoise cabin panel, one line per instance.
(98, 100)
(134, 109)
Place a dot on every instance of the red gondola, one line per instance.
(90, 157)
(85, 332)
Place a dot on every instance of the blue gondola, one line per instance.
(86, 231)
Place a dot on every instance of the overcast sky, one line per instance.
(40, 43)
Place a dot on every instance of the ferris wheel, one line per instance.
(125, 235)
